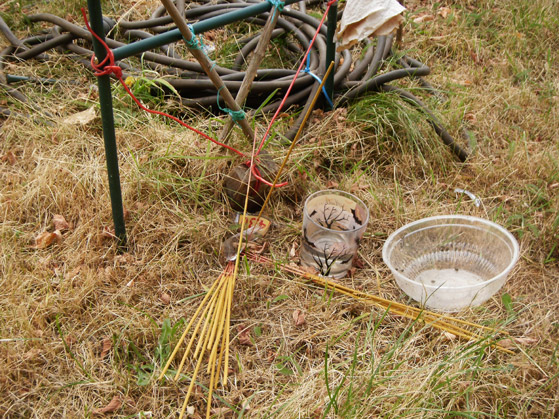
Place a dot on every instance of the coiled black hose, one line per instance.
(351, 80)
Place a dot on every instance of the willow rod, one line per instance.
(429, 318)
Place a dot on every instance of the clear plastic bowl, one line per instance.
(451, 262)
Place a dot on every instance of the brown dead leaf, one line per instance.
(220, 411)
(471, 117)
(108, 233)
(299, 318)
(70, 340)
(81, 118)
(509, 343)
(244, 335)
(356, 187)
(423, 17)
(474, 57)
(444, 12)
(60, 223)
(293, 250)
(32, 354)
(113, 405)
(165, 298)
(107, 345)
(9, 157)
(358, 263)
(46, 239)
(332, 184)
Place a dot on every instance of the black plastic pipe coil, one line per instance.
(351, 80)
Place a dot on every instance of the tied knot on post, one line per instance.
(235, 115)
(194, 42)
(107, 66)
(278, 4)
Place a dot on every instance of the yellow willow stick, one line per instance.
(206, 318)
(377, 298)
(192, 339)
(413, 313)
(219, 314)
(190, 387)
(213, 342)
(322, 281)
(221, 352)
(213, 384)
(200, 358)
(181, 340)
(227, 332)
(295, 140)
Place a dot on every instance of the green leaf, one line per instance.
(280, 298)
(257, 331)
(507, 302)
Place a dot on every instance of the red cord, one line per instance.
(303, 61)
(102, 69)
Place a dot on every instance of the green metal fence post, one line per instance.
(107, 117)
(331, 49)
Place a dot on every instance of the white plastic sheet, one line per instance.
(364, 18)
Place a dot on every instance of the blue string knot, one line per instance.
(279, 4)
(235, 115)
(308, 70)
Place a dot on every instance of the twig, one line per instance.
(207, 66)
(252, 69)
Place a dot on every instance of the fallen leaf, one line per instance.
(32, 354)
(190, 410)
(423, 17)
(70, 340)
(60, 223)
(165, 298)
(293, 250)
(113, 405)
(358, 263)
(9, 157)
(244, 335)
(474, 57)
(46, 239)
(449, 336)
(107, 345)
(509, 343)
(108, 233)
(81, 118)
(470, 117)
(332, 185)
(299, 318)
(359, 187)
(220, 410)
(444, 12)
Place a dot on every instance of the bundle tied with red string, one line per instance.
(235, 184)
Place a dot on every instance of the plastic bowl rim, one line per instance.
(336, 192)
(504, 272)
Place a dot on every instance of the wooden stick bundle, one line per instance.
(211, 334)
(436, 320)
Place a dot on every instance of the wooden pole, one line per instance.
(207, 66)
(255, 61)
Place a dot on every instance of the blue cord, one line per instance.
(198, 43)
(278, 4)
(308, 70)
(235, 115)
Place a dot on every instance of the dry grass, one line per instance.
(58, 305)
